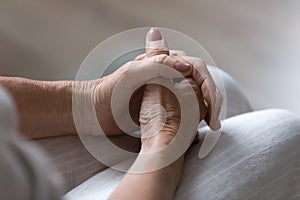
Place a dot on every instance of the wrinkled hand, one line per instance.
(160, 113)
(197, 70)
(128, 78)
(143, 69)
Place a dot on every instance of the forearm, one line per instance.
(45, 107)
(160, 184)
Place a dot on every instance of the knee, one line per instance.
(282, 116)
(265, 126)
(278, 124)
(289, 122)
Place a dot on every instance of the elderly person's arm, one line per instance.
(45, 107)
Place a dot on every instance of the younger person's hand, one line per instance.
(160, 114)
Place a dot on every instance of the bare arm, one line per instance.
(45, 107)
(158, 127)
(160, 184)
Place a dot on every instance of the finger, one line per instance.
(217, 109)
(202, 107)
(185, 70)
(184, 85)
(153, 67)
(172, 53)
(209, 94)
(155, 43)
(140, 57)
(202, 77)
(177, 53)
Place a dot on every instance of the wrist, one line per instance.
(44, 107)
(85, 106)
(157, 141)
(102, 102)
(170, 173)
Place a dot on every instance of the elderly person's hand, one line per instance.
(160, 114)
(48, 108)
(131, 76)
(141, 70)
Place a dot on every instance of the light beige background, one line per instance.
(257, 41)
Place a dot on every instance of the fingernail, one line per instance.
(154, 34)
(182, 67)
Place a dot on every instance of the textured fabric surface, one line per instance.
(24, 171)
(72, 159)
(257, 157)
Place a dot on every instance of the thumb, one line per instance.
(155, 43)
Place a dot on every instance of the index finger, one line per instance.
(210, 92)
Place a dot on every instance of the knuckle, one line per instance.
(200, 65)
(193, 84)
(157, 51)
(198, 76)
(160, 58)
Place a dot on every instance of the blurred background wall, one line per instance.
(257, 41)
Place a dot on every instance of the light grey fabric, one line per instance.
(257, 157)
(74, 162)
(24, 172)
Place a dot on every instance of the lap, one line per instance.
(257, 157)
(256, 153)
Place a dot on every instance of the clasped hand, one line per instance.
(153, 106)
